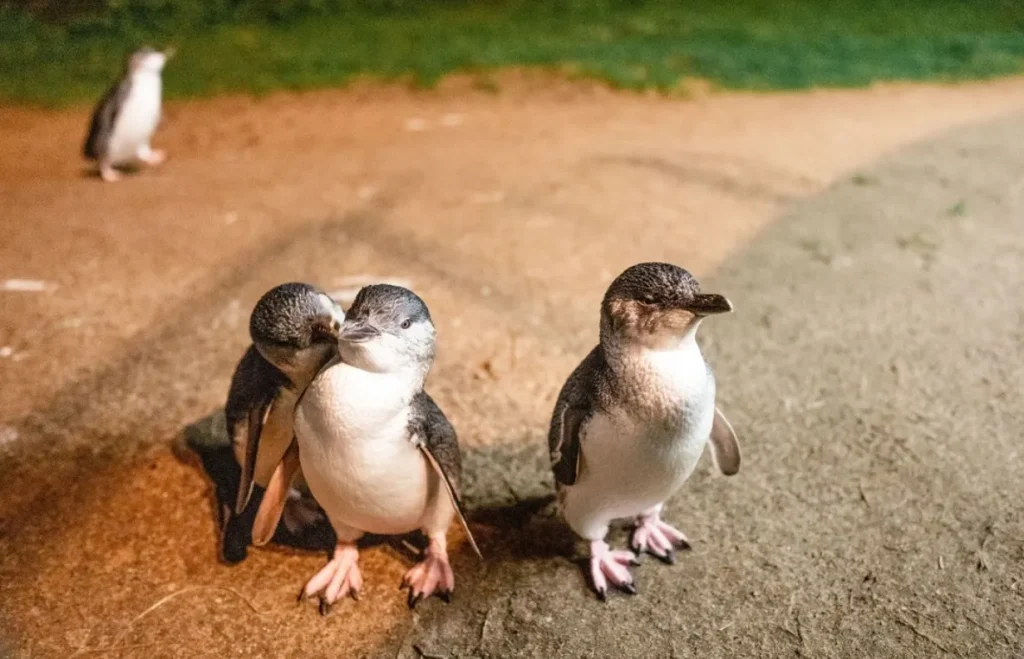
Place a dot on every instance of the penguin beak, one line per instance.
(356, 330)
(331, 317)
(708, 304)
(328, 327)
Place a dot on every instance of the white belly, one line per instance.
(633, 461)
(356, 456)
(138, 118)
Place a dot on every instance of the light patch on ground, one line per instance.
(8, 435)
(415, 125)
(27, 285)
(452, 119)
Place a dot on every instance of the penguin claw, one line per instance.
(655, 537)
(340, 577)
(433, 575)
(607, 566)
(446, 596)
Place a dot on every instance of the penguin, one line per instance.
(294, 329)
(633, 419)
(125, 119)
(376, 451)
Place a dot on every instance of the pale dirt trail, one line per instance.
(509, 214)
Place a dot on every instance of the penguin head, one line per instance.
(293, 320)
(388, 329)
(657, 304)
(148, 60)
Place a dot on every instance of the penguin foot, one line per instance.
(607, 566)
(657, 538)
(431, 575)
(153, 157)
(109, 174)
(340, 577)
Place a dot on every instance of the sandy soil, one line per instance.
(878, 511)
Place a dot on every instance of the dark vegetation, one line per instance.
(62, 51)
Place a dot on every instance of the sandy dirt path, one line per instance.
(509, 214)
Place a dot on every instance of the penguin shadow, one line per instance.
(511, 505)
(507, 526)
(205, 445)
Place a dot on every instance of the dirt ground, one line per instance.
(870, 240)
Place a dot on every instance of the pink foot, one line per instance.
(109, 174)
(153, 157)
(340, 577)
(431, 575)
(658, 538)
(607, 565)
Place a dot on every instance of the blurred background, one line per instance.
(58, 51)
(849, 174)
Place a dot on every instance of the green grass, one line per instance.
(742, 44)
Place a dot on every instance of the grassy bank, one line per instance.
(747, 44)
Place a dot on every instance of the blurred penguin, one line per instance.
(126, 117)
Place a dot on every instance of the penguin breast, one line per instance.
(356, 453)
(138, 118)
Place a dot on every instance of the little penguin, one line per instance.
(127, 116)
(294, 329)
(377, 452)
(632, 420)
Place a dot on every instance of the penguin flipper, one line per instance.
(258, 416)
(725, 447)
(456, 501)
(435, 437)
(565, 454)
(104, 118)
(275, 497)
(577, 401)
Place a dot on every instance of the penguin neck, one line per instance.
(147, 75)
(656, 374)
(408, 376)
(147, 83)
(299, 366)
(621, 347)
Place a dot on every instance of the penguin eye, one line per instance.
(407, 323)
(647, 299)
